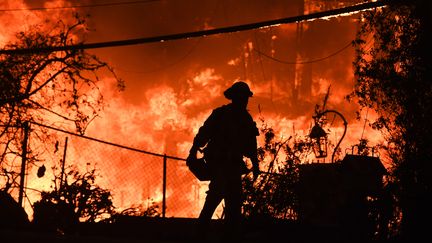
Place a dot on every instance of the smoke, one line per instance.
(172, 87)
(14, 22)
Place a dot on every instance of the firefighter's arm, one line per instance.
(255, 168)
(253, 153)
(199, 141)
(204, 133)
(255, 164)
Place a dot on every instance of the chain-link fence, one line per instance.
(135, 178)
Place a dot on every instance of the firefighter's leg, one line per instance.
(213, 198)
(233, 206)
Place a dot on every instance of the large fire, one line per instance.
(172, 87)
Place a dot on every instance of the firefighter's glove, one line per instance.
(193, 151)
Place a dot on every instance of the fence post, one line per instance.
(164, 185)
(63, 165)
(23, 163)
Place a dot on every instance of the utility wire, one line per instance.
(179, 60)
(202, 33)
(78, 6)
(304, 62)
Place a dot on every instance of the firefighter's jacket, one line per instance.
(228, 134)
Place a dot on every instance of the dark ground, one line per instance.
(134, 229)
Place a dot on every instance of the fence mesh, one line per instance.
(135, 178)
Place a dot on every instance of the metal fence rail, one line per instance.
(135, 177)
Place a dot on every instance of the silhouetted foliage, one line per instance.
(273, 194)
(394, 79)
(149, 210)
(12, 215)
(77, 199)
(46, 87)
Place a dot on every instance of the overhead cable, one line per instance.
(78, 6)
(179, 60)
(202, 33)
(304, 62)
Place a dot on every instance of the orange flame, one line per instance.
(169, 114)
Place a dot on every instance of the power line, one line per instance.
(179, 60)
(304, 62)
(78, 6)
(202, 33)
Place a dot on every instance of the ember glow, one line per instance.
(171, 87)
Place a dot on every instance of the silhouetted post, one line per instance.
(164, 185)
(63, 164)
(23, 163)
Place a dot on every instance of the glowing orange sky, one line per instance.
(171, 87)
(283, 91)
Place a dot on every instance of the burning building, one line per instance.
(172, 86)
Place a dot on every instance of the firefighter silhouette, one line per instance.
(227, 135)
